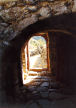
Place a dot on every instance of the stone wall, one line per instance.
(63, 58)
(17, 15)
(53, 56)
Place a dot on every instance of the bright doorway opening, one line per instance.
(35, 57)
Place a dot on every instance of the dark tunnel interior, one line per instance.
(62, 56)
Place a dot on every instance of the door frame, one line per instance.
(26, 63)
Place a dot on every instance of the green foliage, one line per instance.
(37, 43)
(42, 42)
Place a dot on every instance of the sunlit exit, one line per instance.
(34, 58)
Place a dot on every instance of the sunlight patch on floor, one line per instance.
(29, 78)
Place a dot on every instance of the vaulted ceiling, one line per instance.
(15, 15)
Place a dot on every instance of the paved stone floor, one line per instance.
(47, 94)
(69, 102)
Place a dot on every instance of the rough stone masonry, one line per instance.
(17, 15)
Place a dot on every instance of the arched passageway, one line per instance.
(59, 48)
(35, 57)
(62, 45)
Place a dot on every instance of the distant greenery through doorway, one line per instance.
(35, 57)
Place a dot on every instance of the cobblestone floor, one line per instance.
(47, 94)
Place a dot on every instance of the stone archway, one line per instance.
(39, 56)
(57, 23)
